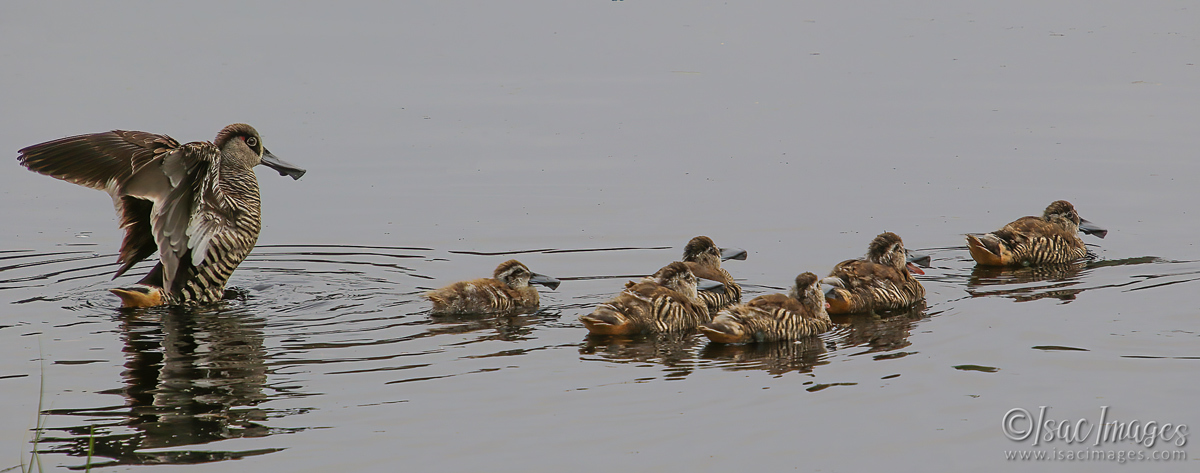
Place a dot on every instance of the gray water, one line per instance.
(591, 140)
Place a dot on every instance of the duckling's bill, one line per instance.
(733, 253)
(703, 284)
(1089, 228)
(544, 280)
(920, 260)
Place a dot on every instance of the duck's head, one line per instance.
(1062, 213)
(703, 251)
(679, 278)
(515, 275)
(888, 249)
(808, 291)
(241, 145)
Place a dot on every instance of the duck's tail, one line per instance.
(838, 301)
(725, 329)
(607, 320)
(988, 250)
(139, 296)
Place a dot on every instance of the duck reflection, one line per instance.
(1028, 283)
(878, 331)
(512, 326)
(192, 377)
(672, 350)
(780, 357)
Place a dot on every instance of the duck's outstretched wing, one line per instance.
(102, 161)
(109, 161)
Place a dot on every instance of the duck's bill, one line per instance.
(709, 285)
(1092, 229)
(283, 167)
(920, 260)
(733, 253)
(830, 291)
(545, 280)
(912, 268)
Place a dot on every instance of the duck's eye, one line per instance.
(251, 141)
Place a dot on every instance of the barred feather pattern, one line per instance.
(647, 307)
(670, 315)
(236, 197)
(482, 296)
(773, 324)
(716, 301)
(883, 295)
(1049, 250)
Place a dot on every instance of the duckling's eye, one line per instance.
(251, 141)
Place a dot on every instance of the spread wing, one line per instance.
(109, 162)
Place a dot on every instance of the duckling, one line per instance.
(773, 317)
(508, 290)
(704, 259)
(1051, 239)
(664, 302)
(196, 204)
(882, 281)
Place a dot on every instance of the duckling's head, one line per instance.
(887, 249)
(516, 275)
(679, 278)
(808, 291)
(1062, 213)
(241, 146)
(702, 250)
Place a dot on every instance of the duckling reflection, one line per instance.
(780, 357)
(191, 378)
(773, 317)
(507, 291)
(508, 327)
(883, 280)
(1052, 238)
(1023, 284)
(672, 350)
(664, 302)
(880, 331)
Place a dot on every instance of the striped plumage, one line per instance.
(664, 302)
(507, 291)
(773, 317)
(1052, 238)
(196, 204)
(881, 281)
(703, 257)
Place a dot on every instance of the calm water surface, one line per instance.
(591, 141)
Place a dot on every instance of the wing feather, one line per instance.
(184, 220)
(114, 162)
